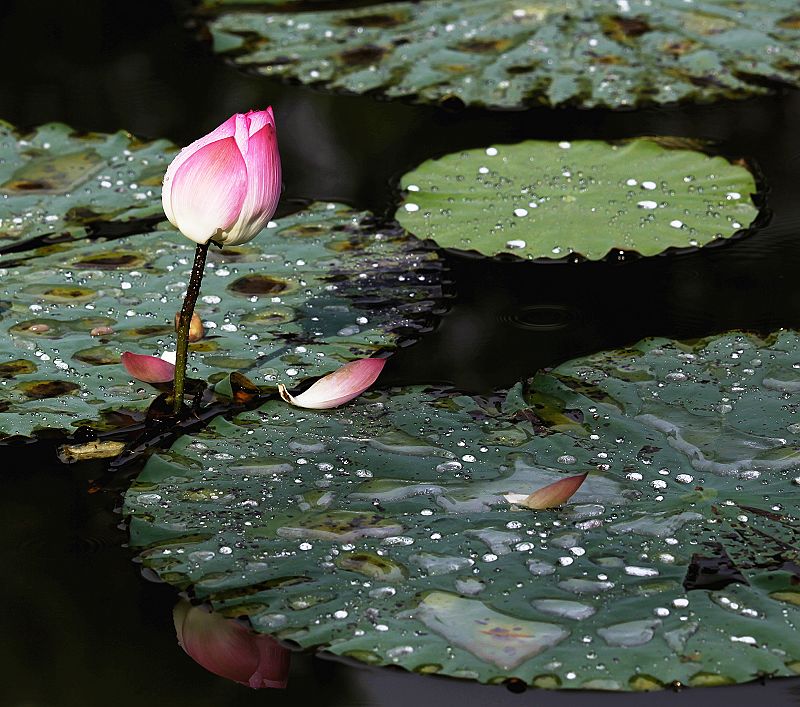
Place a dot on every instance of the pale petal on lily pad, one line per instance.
(150, 369)
(549, 496)
(339, 387)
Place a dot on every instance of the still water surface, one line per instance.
(79, 626)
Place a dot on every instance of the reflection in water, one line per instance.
(229, 648)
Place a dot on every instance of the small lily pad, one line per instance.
(550, 200)
(55, 182)
(675, 561)
(295, 303)
(506, 54)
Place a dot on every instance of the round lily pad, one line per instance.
(381, 531)
(540, 199)
(56, 182)
(316, 289)
(506, 54)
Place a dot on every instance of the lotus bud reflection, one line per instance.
(229, 649)
(225, 186)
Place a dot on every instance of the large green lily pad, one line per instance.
(506, 54)
(380, 531)
(316, 289)
(55, 182)
(540, 199)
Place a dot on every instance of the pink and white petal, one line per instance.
(150, 369)
(550, 496)
(339, 387)
(227, 129)
(208, 190)
(263, 187)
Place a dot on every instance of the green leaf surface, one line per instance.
(505, 54)
(314, 290)
(56, 182)
(379, 531)
(539, 199)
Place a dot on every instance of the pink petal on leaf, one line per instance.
(227, 648)
(550, 496)
(150, 369)
(339, 387)
(208, 190)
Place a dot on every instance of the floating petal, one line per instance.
(549, 496)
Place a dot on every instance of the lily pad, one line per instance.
(539, 199)
(55, 182)
(506, 54)
(380, 531)
(316, 289)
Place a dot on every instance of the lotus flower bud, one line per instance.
(196, 329)
(225, 186)
(227, 648)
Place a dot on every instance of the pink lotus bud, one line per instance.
(339, 387)
(225, 186)
(227, 648)
(150, 369)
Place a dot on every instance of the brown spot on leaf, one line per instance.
(307, 231)
(144, 332)
(790, 22)
(17, 367)
(258, 285)
(38, 390)
(97, 356)
(53, 174)
(362, 56)
(623, 29)
(483, 46)
(110, 260)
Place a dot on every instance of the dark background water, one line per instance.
(78, 626)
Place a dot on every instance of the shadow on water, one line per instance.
(79, 626)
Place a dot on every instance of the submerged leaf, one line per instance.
(339, 387)
(550, 496)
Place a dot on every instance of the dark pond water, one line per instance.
(78, 626)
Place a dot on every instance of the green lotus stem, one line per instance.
(184, 321)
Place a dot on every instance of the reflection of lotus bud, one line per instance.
(196, 330)
(227, 648)
(225, 186)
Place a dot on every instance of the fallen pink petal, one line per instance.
(149, 369)
(230, 649)
(550, 496)
(339, 387)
